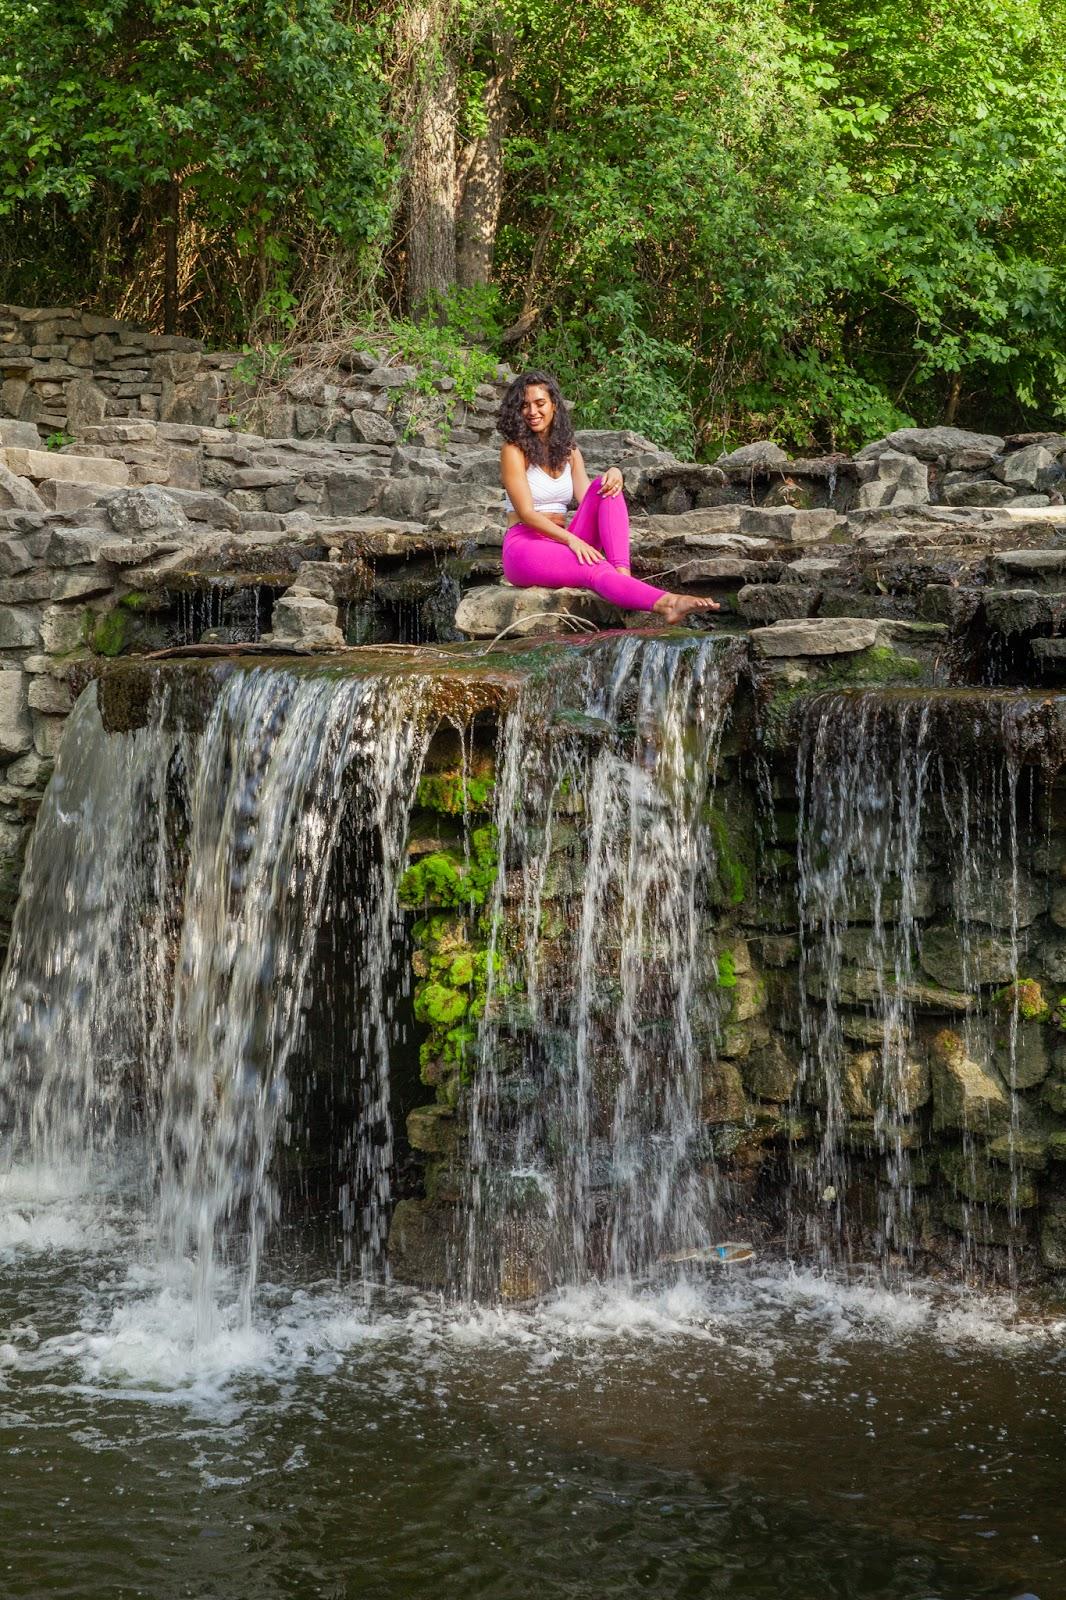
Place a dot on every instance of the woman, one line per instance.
(542, 471)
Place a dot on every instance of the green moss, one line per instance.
(726, 966)
(456, 793)
(733, 869)
(1027, 995)
(111, 632)
(449, 879)
(438, 1005)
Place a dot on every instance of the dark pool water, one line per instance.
(770, 1434)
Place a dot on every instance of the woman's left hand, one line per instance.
(611, 483)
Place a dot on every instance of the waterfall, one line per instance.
(915, 894)
(584, 1130)
(159, 964)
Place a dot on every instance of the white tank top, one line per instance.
(550, 495)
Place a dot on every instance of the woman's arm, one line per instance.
(581, 477)
(610, 482)
(513, 474)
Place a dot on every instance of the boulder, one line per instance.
(1034, 468)
(956, 447)
(369, 428)
(722, 1097)
(892, 479)
(485, 612)
(419, 1243)
(24, 434)
(816, 636)
(86, 404)
(960, 489)
(302, 618)
(763, 453)
(770, 1072)
(966, 1094)
(146, 510)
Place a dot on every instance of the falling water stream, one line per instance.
(202, 1393)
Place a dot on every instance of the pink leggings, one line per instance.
(602, 521)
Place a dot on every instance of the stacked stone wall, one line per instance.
(63, 369)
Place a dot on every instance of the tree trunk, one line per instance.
(431, 183)
(172, 203)
(481, 180)
(951, 405)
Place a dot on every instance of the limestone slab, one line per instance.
(815, 636)
(485, 612)
(68, 468)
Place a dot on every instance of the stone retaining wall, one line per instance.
(63, 369)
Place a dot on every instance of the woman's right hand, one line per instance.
(587, 554)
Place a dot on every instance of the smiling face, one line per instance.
(538, 409)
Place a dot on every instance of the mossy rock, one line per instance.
(438, 1005)
(433, 1130)
(457, 793)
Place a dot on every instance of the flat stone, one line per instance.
(118, 432)
(72, 468)
(59, 495)
(1046, 563)
(816, 636)
(810, 569)
(488, 611)
(749, 457)
(791, 525)
(1049, 652)
(720, 569)
(1010, 611)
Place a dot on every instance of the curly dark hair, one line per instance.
(551, 453)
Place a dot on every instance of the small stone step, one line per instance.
(493, 609)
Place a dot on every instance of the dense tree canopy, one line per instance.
(814, 220)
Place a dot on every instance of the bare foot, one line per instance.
(675, 608)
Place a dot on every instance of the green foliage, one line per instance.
(446, 346)
(815, 222)
(265, 113)
(57, 440)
